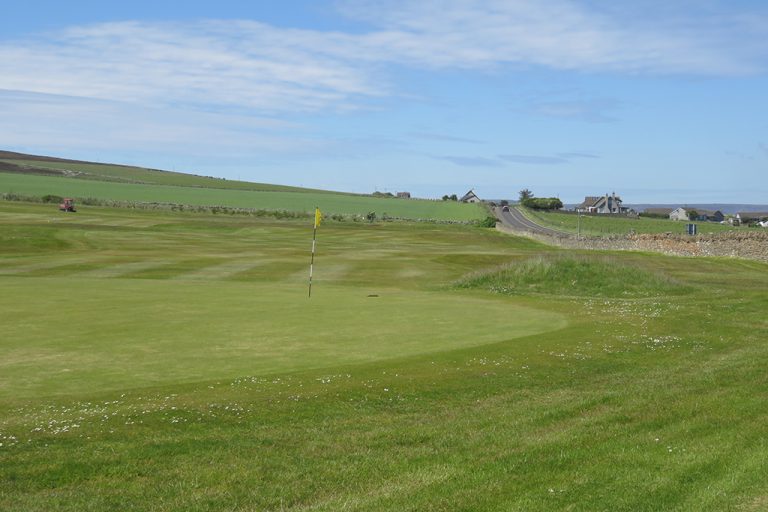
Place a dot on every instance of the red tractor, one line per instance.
(68, 205)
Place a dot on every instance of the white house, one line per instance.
(470, 197)
(679, 214)
(602, 204)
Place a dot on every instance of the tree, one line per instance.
(543, 203)
(693, 215)
(454, 197)
(525, 194)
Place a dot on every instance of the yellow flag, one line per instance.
(318, 217)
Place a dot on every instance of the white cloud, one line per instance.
(565, 35)
(52, 123)
(245, 64)
(253, 65)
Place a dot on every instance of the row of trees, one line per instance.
(543, 203)
(527, 200)
(539, 203)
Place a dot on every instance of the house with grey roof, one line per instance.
(470, 197)
(602, 204)
(710, 215)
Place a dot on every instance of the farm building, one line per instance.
(679, 214)
(684, 214)
(602, 204)
(404, 195)
(470, 197)
(747, 217)
(710, 216)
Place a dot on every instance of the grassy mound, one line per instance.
(570, 275)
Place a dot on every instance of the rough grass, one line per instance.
(636, 404)
(583, 276)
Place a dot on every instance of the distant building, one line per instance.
(470, 197)
(684, 214)
(404, 195)
(709, 215)
(602, 204)
(747, 217)
(679, 214)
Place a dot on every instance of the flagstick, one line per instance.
(312, 261)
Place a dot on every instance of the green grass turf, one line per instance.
(330, 203)
(141, 332)
(597, 225)
(198, 379)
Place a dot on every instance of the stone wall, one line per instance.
(736, 244)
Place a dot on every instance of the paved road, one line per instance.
(514, 219)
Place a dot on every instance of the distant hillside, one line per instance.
(35, 177)
(51, 166)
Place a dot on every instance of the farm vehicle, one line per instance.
(67, 205)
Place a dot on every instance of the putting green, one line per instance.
(71, 336)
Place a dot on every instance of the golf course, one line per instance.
(163, 360)
(384, 256)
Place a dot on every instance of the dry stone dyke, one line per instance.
(751, 245)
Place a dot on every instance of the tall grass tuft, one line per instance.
(574, 275)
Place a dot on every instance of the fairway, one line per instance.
(126, 300)
(157, 360)
(63, 335)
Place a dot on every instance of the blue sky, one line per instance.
(660, 103)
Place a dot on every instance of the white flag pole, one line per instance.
(312, 261)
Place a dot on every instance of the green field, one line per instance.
(28, 164)
(330, 203)
(172, 361)
(602, 225)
